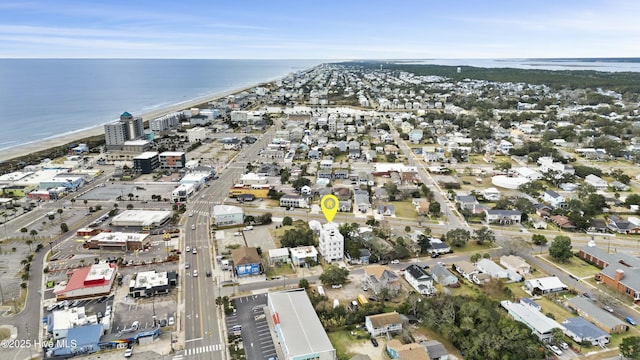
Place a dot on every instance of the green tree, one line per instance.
(300, 182)
(287, 221)
(284, 176)
(630, 347)
(484, 234)
(560, 248)
(557, 335)
(303, 283)
(24, 230)
(60, 213)
(458, 237)
(434, 208)
(424, 243)
(33, 233)
(539, 239)
(29, 242)
(334, 275)
(475, 257)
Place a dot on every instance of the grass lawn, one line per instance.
(343, 340)
(404, 209)
(575, 266)
(281, 270)
(5, 334)
(473, 247)
(277, 233)
(559, 312)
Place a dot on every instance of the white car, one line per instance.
(194, 251)
(171, 321)
(395, 261)
(237, 233)
(128, 353)
(191, 214)
(555, 349)
(248, 228)
(195, 273)
(187, 249)
(336, 286)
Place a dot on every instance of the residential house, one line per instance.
(527, 173)
(422, 207)
(443, 276)
(435, 349)
(413, 351)
(415, 136)
(300, 254)
(542, 286)
(617, 224)
(377, 277)
(618, 186)
(419, 279)
(278, 256)
(381, 194)
(541, 325)
(515, 263)
(602, 258)
(580, 329)
(554, 199)
(491, 194)
(597, 315)
(563, 222)
(467, 270)
(433, 154)
(468, 202)
(436, 246)
(596, 182)
(383, 324)
(295, 201)
(387, 210)
(503, 216)
(361, 199)
(496, 271)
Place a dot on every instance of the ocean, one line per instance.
(45, 98)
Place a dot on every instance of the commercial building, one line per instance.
(127, 128)
(59, 322)
(172, 160)
(118, 241)
(183, 192)
(298, 328)
(88, 281)
(145, 219)
(82, 340)
(295, 201)
(151, 283)
(227, 215)
(197, 134)
(246, 261)
(331, 243)
(146, 162)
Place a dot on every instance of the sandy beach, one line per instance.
(26, 149)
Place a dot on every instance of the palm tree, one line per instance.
(29, 242)
(73, 201)
(85, 203)
(60, 211)
(33, 233)
(24, 230)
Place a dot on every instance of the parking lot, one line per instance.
(141, 191)
(256, 334)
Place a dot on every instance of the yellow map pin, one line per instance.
(329, 205)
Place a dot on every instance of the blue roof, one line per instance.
(126, 114)
(584, 328)
(80, 340)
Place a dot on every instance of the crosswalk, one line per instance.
(204, 349)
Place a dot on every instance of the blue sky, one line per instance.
(273, 29)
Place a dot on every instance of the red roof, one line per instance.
(79, 280)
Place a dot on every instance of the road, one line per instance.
(202, 321)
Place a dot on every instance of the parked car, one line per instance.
(555, 349)
(435, 255)
(248, 228)
(395, 261)
(374, 342)
(608, 308)
(237, 233)
(565, 346)
(336, 286)
(128, 353)
(171, 321)
(630, 320)
(163, 323)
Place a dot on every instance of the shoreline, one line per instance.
(41, 145)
